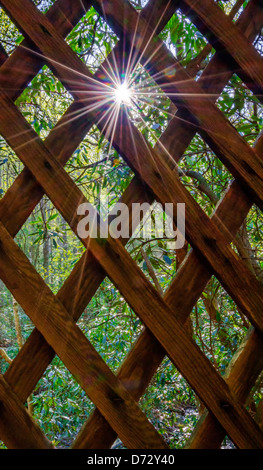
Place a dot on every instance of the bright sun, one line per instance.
(123, 94)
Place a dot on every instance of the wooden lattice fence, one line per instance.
(165, 318)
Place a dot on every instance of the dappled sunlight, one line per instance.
(131, 223)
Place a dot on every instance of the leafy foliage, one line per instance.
(59, 404)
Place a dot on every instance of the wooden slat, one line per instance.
(213, 80)
(82, 283)
(190, 281)
(21, 67)
(21, 431)
(151, 309)
(241, 376)
(201, 231)
(226, 36)
(25, 194)
(79, 356)
(227, 267)
(53, 322)
(225, 141)
(185, 92)
(20, 200)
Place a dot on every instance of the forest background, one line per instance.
(58, 403)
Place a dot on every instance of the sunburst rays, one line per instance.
(120, 82)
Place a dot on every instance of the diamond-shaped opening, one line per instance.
(184, 40)
(232, 4)
(171, 405)
(110, 324)
(249, 244)
(10, 36)
(92, 39)
(242, 109)
(99, 171)
(10, 166)
(227, 444)
(2, 445)
(258, 43)
(149, 108)
(189, 35)
(154, 243)
(219, 327)
(203, 174)
(50, 244)
(44, 101)
(139, 4)
(60, 405)
(15, 327)
(43, 5)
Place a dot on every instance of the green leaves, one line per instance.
(92, 39)
(182, 38)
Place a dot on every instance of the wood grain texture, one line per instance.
(216, 76)
(21, 431)
(227, 37)
(241, 376)
(20, 199)
(23, 64)
(185, 93)
(116, 261)
(233, 274)
(102, 275)
(213, 80)
(52, 320)
(219, 133)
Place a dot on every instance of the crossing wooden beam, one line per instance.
(107, 254)
(44, 36)
(226, 37)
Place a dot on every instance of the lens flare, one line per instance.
(123, 94)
